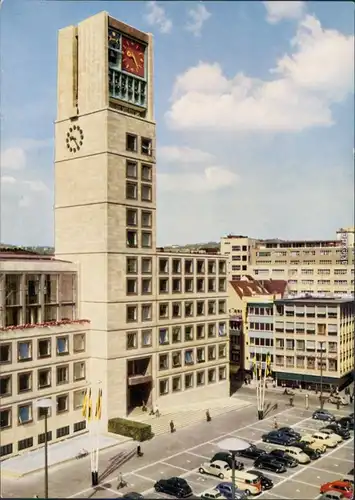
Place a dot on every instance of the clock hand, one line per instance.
(132, 56)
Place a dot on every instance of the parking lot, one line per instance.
(299, 483)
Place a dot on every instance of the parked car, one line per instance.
(336, 397)
(331, 433)
(212, 494)
(338, 429)
(312, 454)
(218, 468)
(311, 442)
(341, 486)
(323, 415)
(226, 490)
(349, 479)
(329, 441)
(252, 452)
(175, 486)
(284, 458)
(266, 482)
(277, 437)
(346, 423)
(332, 495)
(291, 432)
(228, 458)
(132, 495)
(297, 454)
(269, 463)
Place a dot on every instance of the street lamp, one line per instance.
(233, 445)
(45, 404)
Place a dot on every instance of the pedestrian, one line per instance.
(208, 416)
(144, 406)
(157, 412)
(275, 423)
(274, 384)
(139, 451)
(172, 427)
(338, 404)
(307, 402)
(291, 401)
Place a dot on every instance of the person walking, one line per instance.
(291, 401)
(307, 402)
(275, 423)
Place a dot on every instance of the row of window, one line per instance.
(268, 327)
(146, 144)
(309, 363)
(261, 342)
(174, 310)
(176, 359)
(134, 238)
(302, 345)
(135, 191)
(298, 253)
(45, 348)
(31, 315)
(191, 380)
(133, 219)
(26, 380)
(174, 285)
(321, 282)
(145, 173)
(291, 272)
(23, 444)
(175, 266)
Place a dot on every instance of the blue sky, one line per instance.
(254, 107)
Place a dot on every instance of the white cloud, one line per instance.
(319, 72)
(279, 10)
(183, 155)
(211, 179)
(198, 16)
(13, 159)
(156, 16)
(6, 179)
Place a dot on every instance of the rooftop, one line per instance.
(315, 300)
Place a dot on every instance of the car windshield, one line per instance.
(255, 480)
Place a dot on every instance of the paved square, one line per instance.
(207, 450)
(249, 434)
(187, 461)
(135, 483)
(334, 465)
(200, 483)
(159, 471)
(316, 476)
(293, 489)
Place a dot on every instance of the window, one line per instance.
(163, 266)
(176, 310)
(189, 380)
(176, 384)
(200, 308)
(79, 342)
(200, 378)
(188, 266)
(132, 240)
(146, 265)
(200, 283)
(62, 403)
(163, 386)
(131, 217)
(222, 373)
(146, 219)
(176, 359)
(79, 426)
(5, 418)
(146, 192)
(42, 437)
(24, 351)
(62, 374)
(79, 369)
(146, 173)
(146, 286)
(24, 382)
(189, 309)
(200, 267)
(44, 378)
(131, 340)
(131, 190)
(200, 332)
(131, 169)
(131, 143)
(176, 266)
(222, 307)
(163, 362)
(146, 338)
(5, 353)
(62, 345)
(6, 449)
(189, 357)
(176, 334)
(25, 413)
(131, 286)
(131, 314)
(163, 336)
(189, 335)
(211, 285)
(211, 353)
(211, 375)
(146, 312)
(222, 329)
(222, 351)
(163, 310)
(211, 307)
(5, 386)
(63, 431)
(222, 285)
(189, 285)
(222, 267)
(146, 240)
(163, 285)
(146, 146)
(176, 285)
(211, 330)
(78, 399)
(200, 355)
(42, 412)
(211, 267)
(23, 444)
(131, 265)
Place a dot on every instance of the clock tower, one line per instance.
(105, 211)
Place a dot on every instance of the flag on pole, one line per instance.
(260, 370)
(85, 403)
(253, 364)
(268, 364)
(98, 405)
(89, 406)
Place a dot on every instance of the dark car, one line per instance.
(270, 463)
(277, 437)
(227, 457)
(290, 432)
(343, 433)
(323, 415)
(226, 489)
(313, 454)
(132, 495)
(252, 452)
(282, 457)
(266, 482)
(346, 423)
(175, 486)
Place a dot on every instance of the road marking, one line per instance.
(175, 466)
(197, 455)
(345, 460)
(188, 461)
(112, 491)
(81, 492)
(304, 482)
(278, 496)
(146, 478)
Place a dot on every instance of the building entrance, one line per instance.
(139, 383)
(139, 394)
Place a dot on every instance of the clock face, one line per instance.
(74, 138)
(133, 57)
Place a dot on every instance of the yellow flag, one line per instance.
(268, 364)
(85, 403)
(89, 406)
(98, 405)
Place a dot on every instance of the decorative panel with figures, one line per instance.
(127, 69)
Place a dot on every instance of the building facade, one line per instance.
(314, 338)
(322, 267)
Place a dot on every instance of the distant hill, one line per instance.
(37, 250)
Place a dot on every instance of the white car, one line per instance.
(212, 493)
(218, 468)
(326, 439)
(333, 434)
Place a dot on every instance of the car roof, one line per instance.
(220, 463)
(225, 483)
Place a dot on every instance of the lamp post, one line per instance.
(321, 374)
(233, 445)
(45, 404)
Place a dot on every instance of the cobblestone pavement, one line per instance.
(181, 454)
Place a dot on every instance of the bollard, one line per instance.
(208, 416)
(307, 402)
(172, 427)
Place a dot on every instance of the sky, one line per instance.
(254, 107)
